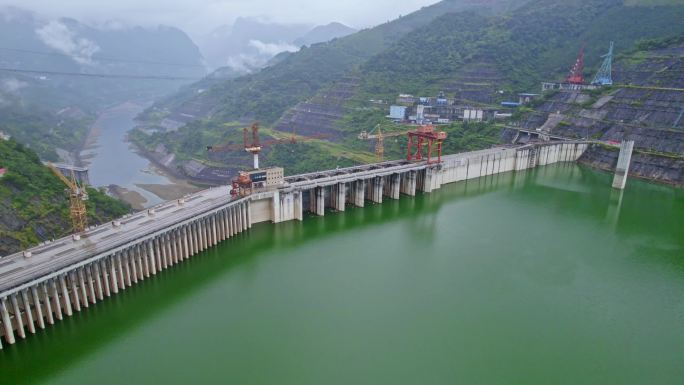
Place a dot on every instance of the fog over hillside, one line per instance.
(40, 52)
(249, 43)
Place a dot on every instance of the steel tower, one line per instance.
(604, 75)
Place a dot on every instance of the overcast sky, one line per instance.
(198, 17)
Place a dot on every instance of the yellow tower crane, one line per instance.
(380, 145)
(77, 197)
(377, 134)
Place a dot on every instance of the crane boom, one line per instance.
(61, 176)
(77, 197)
(292, 139)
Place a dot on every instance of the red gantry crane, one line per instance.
(418, 139)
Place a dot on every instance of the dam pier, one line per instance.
(43, 285)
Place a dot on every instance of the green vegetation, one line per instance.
(43, 131)
(296, 77)
(33, 203)
(305, 157)
(450, 46)
(654, 44)
(651, 3)
(470, 136)
(191, 141)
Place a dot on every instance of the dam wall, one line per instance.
(45, 284)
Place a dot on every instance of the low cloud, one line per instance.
(58, 36)
(12, 85)
(244, 63)
(8, 90)
(272, 49)
(249, 62)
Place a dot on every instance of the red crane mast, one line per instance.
(577, 71)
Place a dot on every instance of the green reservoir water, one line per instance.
(544, 277)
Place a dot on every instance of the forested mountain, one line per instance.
(267, 94)
(536, 42)
(472, 51)
(33, 204)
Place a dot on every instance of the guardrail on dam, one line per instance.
(44, 284)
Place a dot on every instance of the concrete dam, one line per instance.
(49, 282)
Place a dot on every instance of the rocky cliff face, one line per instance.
(658, 168)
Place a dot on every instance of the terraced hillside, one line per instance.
(321, 112)
(485, 59)
(476, 83)
(646, 105)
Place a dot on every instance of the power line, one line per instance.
(104, 76)
(102, 58)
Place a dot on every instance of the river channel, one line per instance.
(112, 160)
(541, 277)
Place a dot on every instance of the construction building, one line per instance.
(267, 177)
(436, 110)
(398, 113)
(473, 115)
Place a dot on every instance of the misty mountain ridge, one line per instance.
(323, 33)
(249, 43)
(45, 46)
(68, 44)
(47, 106)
